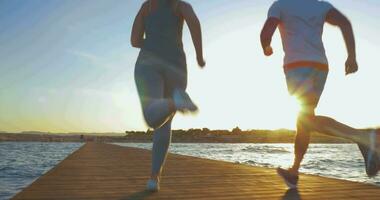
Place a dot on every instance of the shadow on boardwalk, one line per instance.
(138, 195)
(291, 194)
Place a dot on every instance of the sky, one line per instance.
(67, 66)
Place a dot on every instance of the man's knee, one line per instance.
(309, 100)
(307, 109)
(307, 113)
(306, 119)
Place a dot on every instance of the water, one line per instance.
(342, 161)
(23, 162)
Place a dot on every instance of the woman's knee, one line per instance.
(150, 118)
(155, 120)
(151, 121)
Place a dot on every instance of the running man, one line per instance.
(305, 65)
(161, 72)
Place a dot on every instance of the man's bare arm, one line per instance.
(336, 18)
(266, 35)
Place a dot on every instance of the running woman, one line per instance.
(305, 65)
(161, 71)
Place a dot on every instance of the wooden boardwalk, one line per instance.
(105, 171)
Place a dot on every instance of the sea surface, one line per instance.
(23, 162)
(341, 161)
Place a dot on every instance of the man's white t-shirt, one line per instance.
(301, 29)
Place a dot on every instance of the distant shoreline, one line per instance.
(179, 136)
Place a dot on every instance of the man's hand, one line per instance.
(201, 62)
(268, 51)
(351, 65)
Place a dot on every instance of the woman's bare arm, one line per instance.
(138, 30)
(195, 29)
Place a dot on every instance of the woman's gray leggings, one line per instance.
(156, 80)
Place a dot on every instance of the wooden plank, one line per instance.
(105, 171)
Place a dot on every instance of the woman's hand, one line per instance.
(201, 62)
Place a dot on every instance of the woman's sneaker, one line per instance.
(371, 157)
(290, 179)
(153, 186)
(182, 101)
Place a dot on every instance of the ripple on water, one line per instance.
(23, 162)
